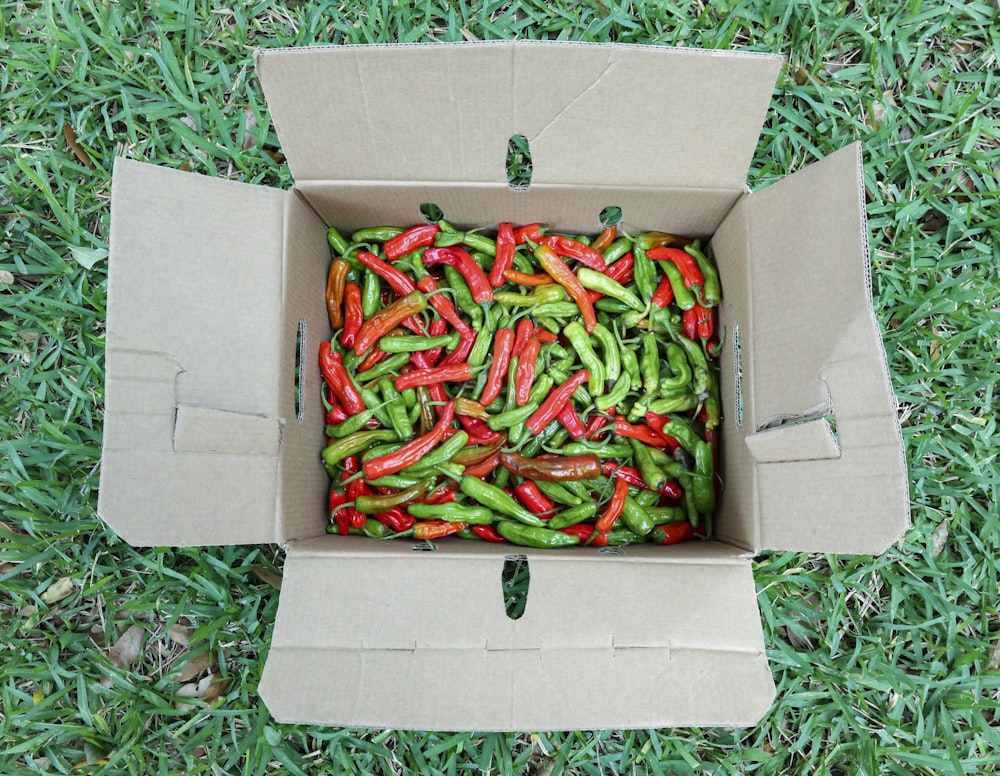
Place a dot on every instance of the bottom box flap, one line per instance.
(375, 636)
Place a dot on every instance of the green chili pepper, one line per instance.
(598, 281)
(441, 454)
(649, 364)
(645, 274)
(609, 305)
(396, 409)
(680, 369)
(463, 296)
(379, 234)
(351, 425)
(530, 536)
(548, 323)
(447, 239)
(493, 497)
(663, 515)
(481, 243)
(371, 294)
(481, 347)
(577, 488)
(578, 338)
(558, 493)
(382, 368)
(541, 295)
(545, 435)
(652, 475)
(409, 343)
(609, 347)
(452, 512)
(704, 484)
(688, 498)
(681, 430)
(712, 289)
(615, 396)
(635, 517)
(620, 535)
(376, 405)
(646, 498)
(600, 449)
(355, 443)
(683, 296)
(630, 365)
(616, 250)
(375, 504)
(572, 516)
(394, 481)
(556, 309)
(337, 242)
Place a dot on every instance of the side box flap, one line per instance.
(192, 423)
(593, 114)
(820, 432)
(363, 634)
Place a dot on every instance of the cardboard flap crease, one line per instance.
(214, 421)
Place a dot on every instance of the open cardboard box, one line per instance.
(211, 281)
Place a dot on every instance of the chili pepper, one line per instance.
(595, 424)
(443, 495)
(544, 294)
(407, 343)
(649, 363)
(455, 373)
(572, 516)
(428, 530)
(654, 477)
(382, 368)
(494, 498)
(569, 248)
(578, 338)
(564, 276)
(681, 430)
(472, 455)
(564, 310)
(650, 240)
(471, 409)
(705, 321)
(524, 331)
(398, 281)
(349, 425)
(340, 515)
(339, 245)
(636, 518)
(704, 481)
(532, 232)
(443, 454)
(476, 428)
(622, 270)
(645, 272)
(413, 238)
(657, 421)
(353, 316)
(663, 515)
(683, 296)
(481, 347)
(396, 409)
(526, 279)
(586, 534)
(336, 414)
(488, 533)
(635, 478)
(530, 536)
(684, 262)
(712, 289)
(461, 353)
(630, 365)
(690, 321)
(396, 519)
(411, 452)
(701, 373)
(664, 293)
(672, 533)
(552, 405)
(498, 368)
(617, 250)
(371, 294)
(480, 242)
(379, 234)
(441, 304)
(571, 421)
(613, 509)
(600, 282)
(554, 469)
(355, 443)
(387, 319)
(463, 295)
(392, 482)
(339, 380)
(374, 356)
(609, 347)
(335, 280)
(376, 504)
(519, 415)
(533, 499)
(452, 512)
(467, 268)
(600, 449)
(485, 467)
(506, 245)
(615, 396)
(604, 239)
(641, 432)
(525, 377)
(557, 493)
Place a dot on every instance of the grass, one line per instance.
(886, 664)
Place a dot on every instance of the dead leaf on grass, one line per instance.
(876, 116)
(249, 124)
(994, 663)
(70, 134)
(7, 278)
(803, 76)
(196, 665)
(58, 590)
(180, 635)
(270, 577)
(125, 650)
(939, 539)
(208, 689)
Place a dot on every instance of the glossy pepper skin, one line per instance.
(506, 246)
(550, 408)
(413, 238)
(564, 276)
(613, 509)
(385, 320)
(460, 259)
(558, 468)
(533, 536)
(336, 278)
(412, 452)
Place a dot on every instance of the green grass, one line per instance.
(885, 664)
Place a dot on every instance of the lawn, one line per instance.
(886, 664)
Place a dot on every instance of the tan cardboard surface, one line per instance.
(376, 642)
(192, 422)
(593, 114)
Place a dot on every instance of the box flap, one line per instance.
(594, 114)
(810, 354)
(192, 418)
(605, 641)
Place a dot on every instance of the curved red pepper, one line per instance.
(488, 533)
(413, 238)
(641, 432)
(524, 377)
(339, 380)
(456, 373)
(397, 519)
(498, 366)
(570, 421)
(574, 249)
(524, 279)
(672, 533)
(484, 467)
(527, 232)
(411, 452)
(461, 353)
(398, 281)
(471, 272)
(555, 401)
(525, 330)
(564, 276)
(614, 508)
(442, 304)
(533, 499)
(504, 260)
(689, 319)
(657, 423)
(684, 261)
(386, 319)
(353, 316)
(585, 531)
(664, 293)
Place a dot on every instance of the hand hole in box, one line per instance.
(514, 581)
(431, 213)
(518, 163)
(611, 216)
(300, 345)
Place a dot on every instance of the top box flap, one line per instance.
(604, 641)
(821, 434)
(192, 427)
(594, 114)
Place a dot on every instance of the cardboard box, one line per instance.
(211, 281)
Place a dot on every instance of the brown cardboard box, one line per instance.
(211, 280)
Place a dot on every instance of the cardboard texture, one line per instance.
(216, 294)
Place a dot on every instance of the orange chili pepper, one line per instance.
(613, 510)
(565, 277)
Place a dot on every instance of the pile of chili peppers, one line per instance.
(534, 388)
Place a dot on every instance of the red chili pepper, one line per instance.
(339, 380)
(353, 316)
(375, 354)
(442, 495)
(442, 304)
(689, 319)
(527, 232)
(340, 515)
(533, 499)
(411, 452)
(461, 353)
(456, 373)
(564, 276)
(504, 260)
(502, 343)
(436, 529)
(604, 239)
(355, 488)
(613, 510)
(574, 249)
(438, 327)
(524, 377)
(396, 519)
(571, 421)
(684, 261)
(553, 468)
(595, 424)
(336, 414)
(386, 319)
(555, 401)
(398, 281)
(544, 335)
(634, 478)
(672, 533)
(488, 533)
(664, 293)
(525, 330)
(436, 390)
(471, 272)
(484, 467)
(413, 238)
(585, 531)
(657, 423)
(706, 321)
(639, 431)
(476, 428)
(524, 279)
